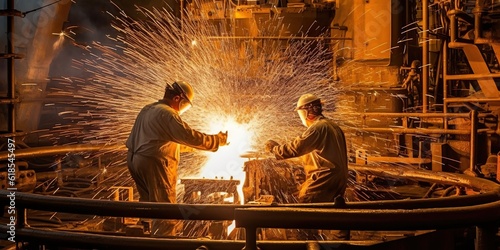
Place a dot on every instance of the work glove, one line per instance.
(269, 145)
(222, 138)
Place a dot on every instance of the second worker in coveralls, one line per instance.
(323, 150)
(154, 148)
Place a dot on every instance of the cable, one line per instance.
(39, 8)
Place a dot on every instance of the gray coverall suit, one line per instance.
(153, 155)
(324, 152)
(323, 146)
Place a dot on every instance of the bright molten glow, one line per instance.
(226, 162)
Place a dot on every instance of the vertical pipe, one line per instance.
(473, 139)
(453, 38)
(250, 238)
(445, 82)
(486, 237)
(11, 94)
(21, 217)
(478, 12)
(313, 245)
(425, 53)
(453, 25)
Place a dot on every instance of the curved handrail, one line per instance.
(251, 217)
(356, 218)
(368, 219)
(86, 240)
(430, 176)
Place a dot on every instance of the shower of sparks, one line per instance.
(245, 86)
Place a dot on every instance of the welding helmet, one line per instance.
(185, 91)
(303, 106)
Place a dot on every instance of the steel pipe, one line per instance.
(471, 76)
(7, 135)
(486, 237)
(13, 55)
(445, 80)
(453, 25)
(381, 219)
(88, 240)
(365, 219)
(121, 208)
(473, 140)
(11, 84)
(8, 101)
(250, 237)
(11, 12)
(478, 12)
(465, 99)
(425, 54)
(60, 150)
(426, 115)
(447, 178)
(452, 201)
(279, 38)
(422, 131)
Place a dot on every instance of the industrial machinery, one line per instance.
(209, 191)
(429, 72)
(415, 86)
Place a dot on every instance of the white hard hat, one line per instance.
(306, 99)
(186, 92)
(185, 89)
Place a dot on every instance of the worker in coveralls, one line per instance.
(323, 149)
(154, 148)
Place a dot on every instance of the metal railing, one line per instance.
(485, 217)
(481, 210)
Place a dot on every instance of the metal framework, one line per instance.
(10, 99)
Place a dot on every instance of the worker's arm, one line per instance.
(301, 145)
(183, 134)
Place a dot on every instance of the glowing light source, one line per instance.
(226, 162)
